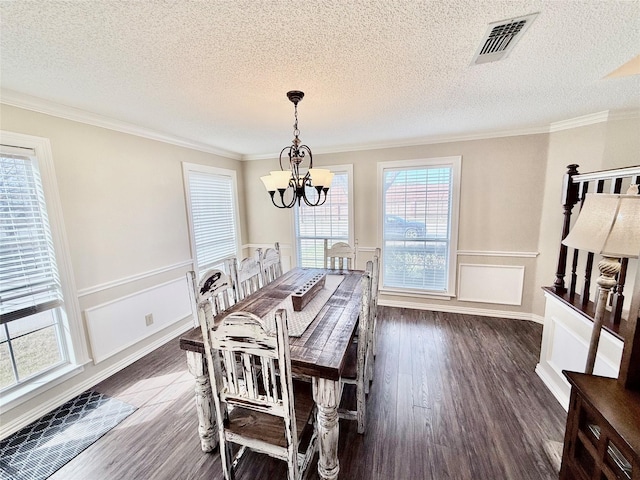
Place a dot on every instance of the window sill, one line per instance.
(20, 394)
(417, 294)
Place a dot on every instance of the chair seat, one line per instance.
(269, 428)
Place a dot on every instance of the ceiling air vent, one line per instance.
(501, 37)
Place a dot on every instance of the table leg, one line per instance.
(206, 419)
(326, 394)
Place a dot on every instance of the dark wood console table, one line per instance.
(602, 439)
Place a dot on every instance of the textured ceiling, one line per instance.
(376, 72)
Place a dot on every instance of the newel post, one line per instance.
(569, 199)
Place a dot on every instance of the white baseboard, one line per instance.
(483, 312)
(561, 396)
(48, 404)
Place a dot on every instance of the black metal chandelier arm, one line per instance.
(282, 191)
(301, 152)
(321, 199)
(288, 155)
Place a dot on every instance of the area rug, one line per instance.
(553, 450)
(40, 449)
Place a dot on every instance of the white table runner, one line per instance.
(299, 321)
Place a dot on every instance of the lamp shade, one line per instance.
(319, 177)
(609, 225)
(269, 183)
(281, 178)
(330, 179)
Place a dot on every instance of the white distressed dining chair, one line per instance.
(213, 294)
(373, 321)
(354, 373)
(216, 287)
(271, 264)
(340, 255)
(247, 276)
(258, 406)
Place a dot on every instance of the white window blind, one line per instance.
(29, 280)
(417, 206)
(213, 217)
(330, 220)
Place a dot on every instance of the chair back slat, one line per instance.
(250, 357)
(364, 318)
(340, 255)
(247, 276)
(271, 264)
(373, 321)
(363, 344)
(214, 293)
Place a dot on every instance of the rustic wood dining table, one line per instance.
(318, 353)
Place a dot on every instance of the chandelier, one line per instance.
(293, 183)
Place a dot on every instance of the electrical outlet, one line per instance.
(148, 319)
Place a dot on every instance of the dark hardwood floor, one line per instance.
(454, 397)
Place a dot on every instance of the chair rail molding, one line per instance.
(283, 246)
(133, 278)
(488, 253)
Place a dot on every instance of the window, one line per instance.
(213, 214)
(333, 220)
(35, 335)
(419, 205)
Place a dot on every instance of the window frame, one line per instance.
(455, 163)
(207, 169)
(70, 324)
(345, 168)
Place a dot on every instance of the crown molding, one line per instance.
(20, 100)
(581, 121)
(624, 115)
(593, 118)
(36, 104)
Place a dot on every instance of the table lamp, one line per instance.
(609, 225)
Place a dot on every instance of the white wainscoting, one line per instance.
(119, 324)
(565, 343)
(500, 284)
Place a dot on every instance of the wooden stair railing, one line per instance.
(574, 189)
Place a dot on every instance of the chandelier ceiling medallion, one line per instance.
(293, 183)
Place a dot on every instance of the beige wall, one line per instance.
(502, 189)
(510, 197)
(124, 210)
(612, 144)
(125, 214)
